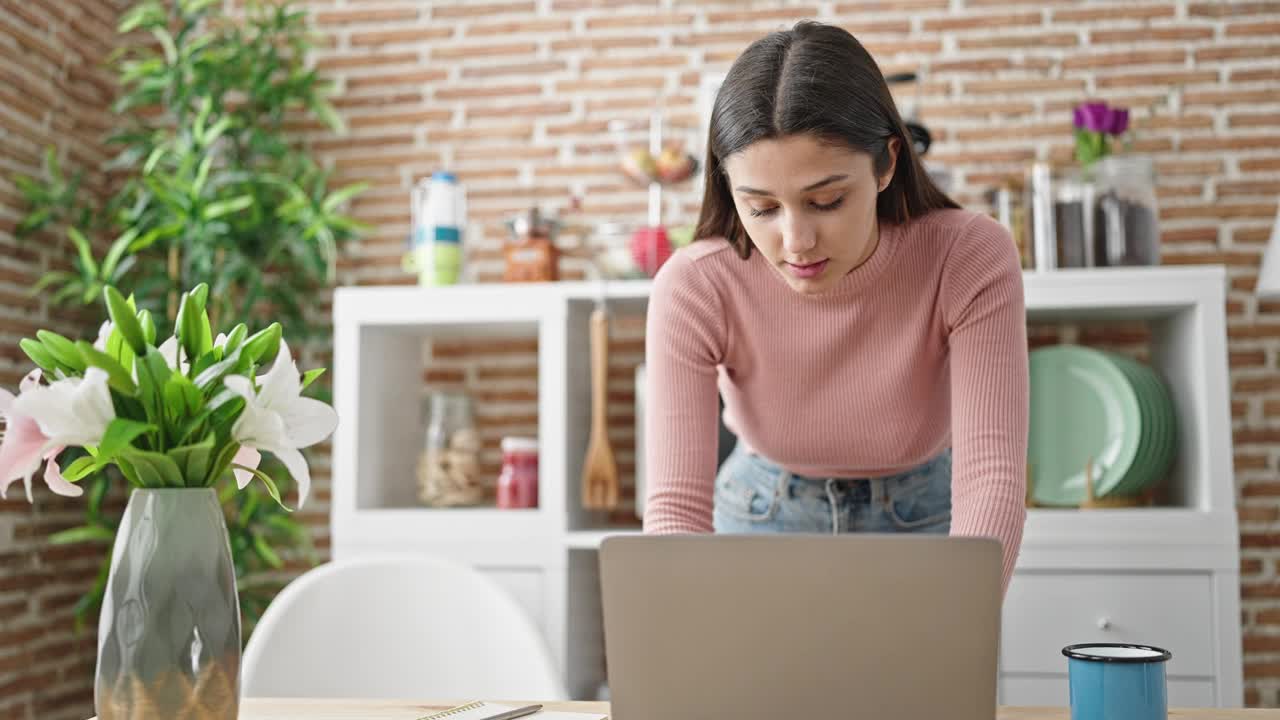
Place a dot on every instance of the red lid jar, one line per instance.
(518, 481)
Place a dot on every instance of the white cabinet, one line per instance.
(1045, 612)
(1166, 576)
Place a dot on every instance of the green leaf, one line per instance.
(213, 375)
(96, 495)
(202, 176)
(84, 249)
(52, 166)
(153, 374)
(142, 14)
(93, 599)
(118, 437)
(117, 377)
(52, 278)
(125, 321)
(202, 116)
(193, 399)
(148, 239)
(34, 221)
(342, 195)
(193, 461)
(153, 159)
(117, 251)
(166, 42)
(192, 7)
(265, 552)
(215, 132)
(215, 210)
(38, 354)
(266, 480)
(309, 376)
(153, 469)
(85, 533)
(62, 349)
(32, 189)
(263, 345)
(328, 116)
(129, 472)
(223, 462)
(80, 468)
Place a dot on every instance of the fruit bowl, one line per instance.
(671, 165)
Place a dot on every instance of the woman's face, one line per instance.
(809, 207)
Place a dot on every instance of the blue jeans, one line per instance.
(754, 495)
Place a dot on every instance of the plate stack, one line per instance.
(1101, 411)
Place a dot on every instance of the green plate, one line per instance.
(1159, 423)
(1142, 470)
(1165, 420)
(1082, 406)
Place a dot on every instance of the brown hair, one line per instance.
(816, 79)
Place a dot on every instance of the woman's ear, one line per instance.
(893, 146)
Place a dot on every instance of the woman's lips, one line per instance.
(806, 272)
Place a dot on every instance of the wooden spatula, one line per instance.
(599, 471)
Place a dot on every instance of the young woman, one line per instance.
(866, 334)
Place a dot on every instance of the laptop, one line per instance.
(881, 627)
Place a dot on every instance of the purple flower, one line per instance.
(1100, 118)
(1119, 121)
(1095, 116)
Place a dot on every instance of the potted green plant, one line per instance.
(208, 186)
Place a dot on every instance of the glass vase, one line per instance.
(169, 632)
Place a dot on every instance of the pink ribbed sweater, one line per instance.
(921, 347)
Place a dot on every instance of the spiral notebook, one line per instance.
(486, 710)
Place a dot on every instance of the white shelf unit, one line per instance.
(1166, 575)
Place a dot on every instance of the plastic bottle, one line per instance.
(439, 214)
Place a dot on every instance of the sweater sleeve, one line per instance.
(986, 321)
(684, 342)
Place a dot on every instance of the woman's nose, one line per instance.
(798, 235)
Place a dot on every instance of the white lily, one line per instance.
(74, 411)
(278, 420)
(104, 333)
(24, 447)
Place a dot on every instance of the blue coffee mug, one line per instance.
(1116, 681)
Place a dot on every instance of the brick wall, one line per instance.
(516, 97)
(51, 92)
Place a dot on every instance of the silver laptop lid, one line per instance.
(801, 626)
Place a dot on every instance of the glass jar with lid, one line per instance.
(449, 468)
(518, 481)
(1126, 211)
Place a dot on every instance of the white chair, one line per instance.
(398, 627)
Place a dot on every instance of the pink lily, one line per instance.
(247, 457)
(25, 446)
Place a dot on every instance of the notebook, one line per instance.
(485, 710)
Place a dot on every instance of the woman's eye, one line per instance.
(765, 212)
(829, 206)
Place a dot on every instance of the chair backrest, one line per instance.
(397, 627)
